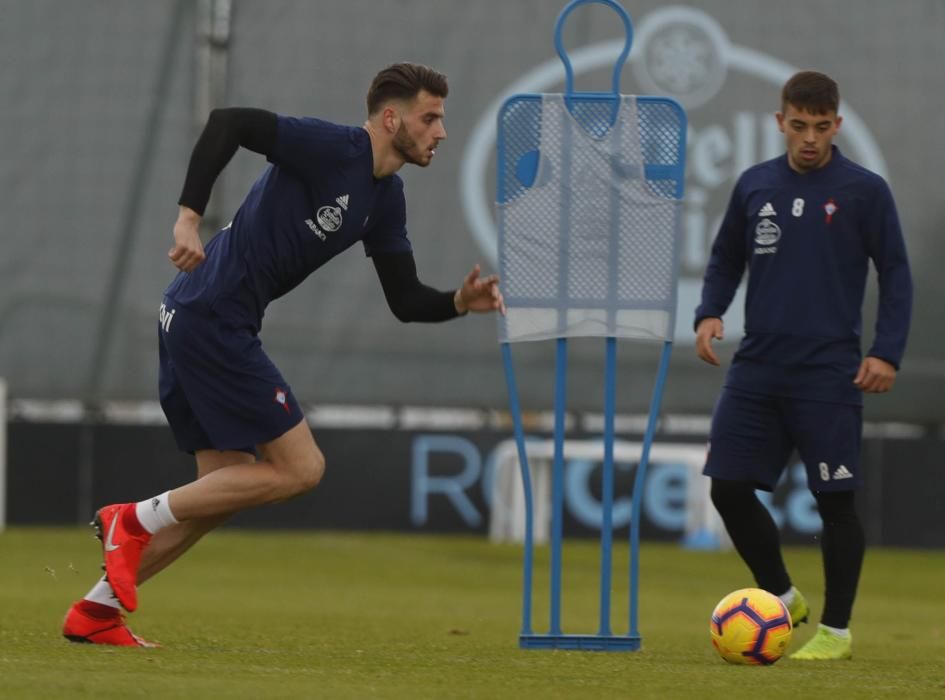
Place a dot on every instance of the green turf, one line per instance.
(328, 615)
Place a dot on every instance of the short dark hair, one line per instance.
(404, 81)
(812, 92)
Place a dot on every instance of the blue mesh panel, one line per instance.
(589, 217)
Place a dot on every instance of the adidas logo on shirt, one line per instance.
(842, 472)
(767, 210)
(342, 201)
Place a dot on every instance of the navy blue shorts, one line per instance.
(753, 435)
(218, 388)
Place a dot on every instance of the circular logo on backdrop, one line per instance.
(681, 53)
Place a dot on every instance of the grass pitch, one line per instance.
(334, 615)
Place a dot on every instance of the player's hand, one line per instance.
(876, 376)
(187, 252)
(480, 294)
(709, 329)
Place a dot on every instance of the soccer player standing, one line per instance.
(806, 226)
(328, 187)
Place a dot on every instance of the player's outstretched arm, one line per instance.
(709, 329)
(411, 300)
(479, 294)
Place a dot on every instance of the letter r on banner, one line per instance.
(453, 487)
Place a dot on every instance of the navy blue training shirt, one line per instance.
(806, 241)
(318, 198)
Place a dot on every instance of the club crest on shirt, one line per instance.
(830, 208)
(329, 218)
(767, 234)
(281, 398)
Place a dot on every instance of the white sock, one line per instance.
(102, 593)
(155, 513)
(788, 598)
(843, 633)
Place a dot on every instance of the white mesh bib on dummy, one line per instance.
(590, 248)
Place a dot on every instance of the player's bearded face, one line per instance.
(409, 149)
(809, 137)
(421, 129)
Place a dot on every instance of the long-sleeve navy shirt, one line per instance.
(317, 199)
(806, 240)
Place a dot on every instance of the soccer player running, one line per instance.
(805, 225)
(328, 187)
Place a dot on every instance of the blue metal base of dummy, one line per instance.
(580, 642)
